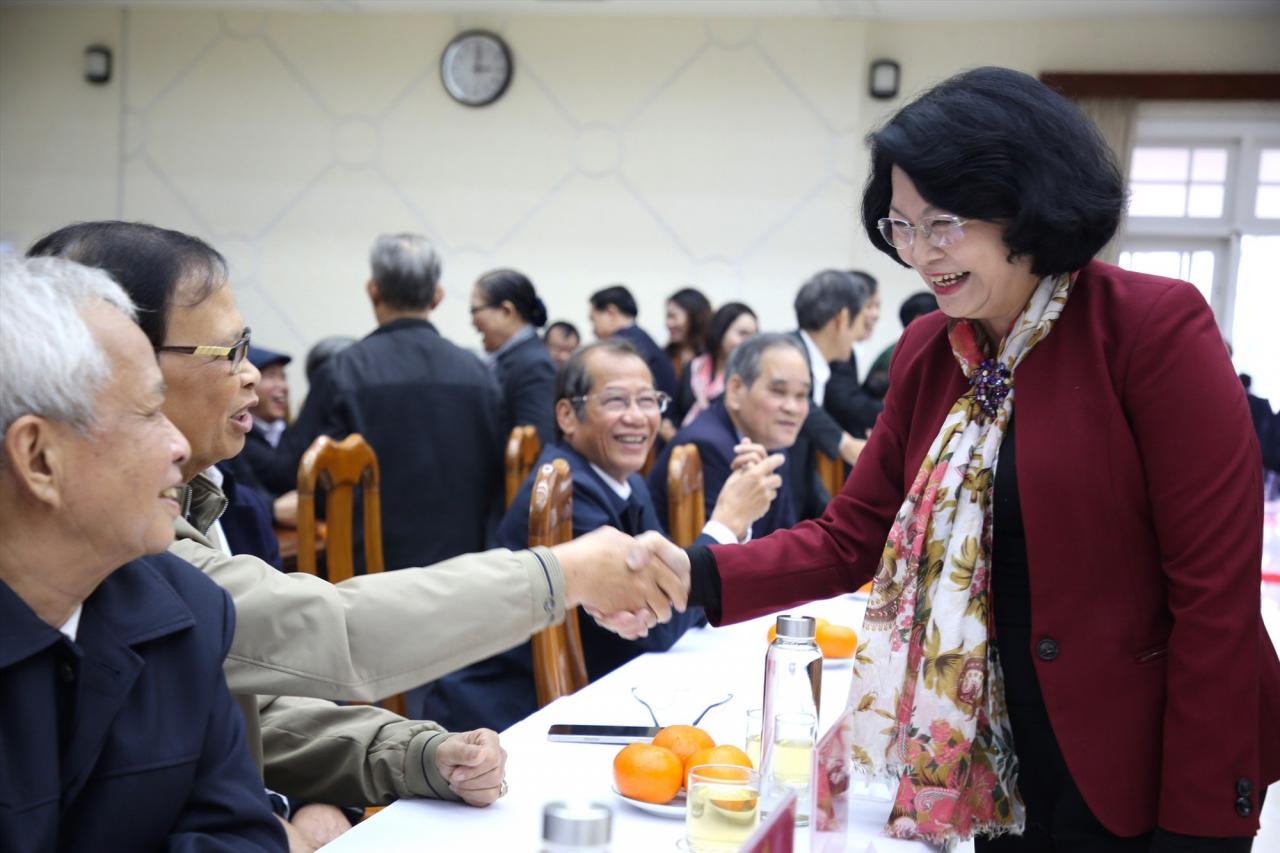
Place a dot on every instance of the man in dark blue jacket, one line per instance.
(118, 732)
(607, 415)
(429, 409)
(613, 313)
(766, 399)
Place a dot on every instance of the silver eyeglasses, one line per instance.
(941, 231)
(617, 402)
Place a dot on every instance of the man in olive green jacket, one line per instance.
(375, 635)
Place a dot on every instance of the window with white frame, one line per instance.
(1204, 184)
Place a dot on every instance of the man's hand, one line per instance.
(747, 453)
(747, 494)
(851, 448)
(629, 624)
(475, 765)
(299, 841)
(284, 509)
(608, 572)
(319, 822)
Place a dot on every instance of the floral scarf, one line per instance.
(927, 702)
(705, 383)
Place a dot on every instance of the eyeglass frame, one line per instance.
(950, 218)
(663, 398)
(217, 352)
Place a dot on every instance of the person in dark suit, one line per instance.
(827, 307)
(916, 305)
(118, 731)
(765, 401)
(506, 311)
(1071, 613)
(613, 312)
(845, 399)
(607, 414)
(429, 409)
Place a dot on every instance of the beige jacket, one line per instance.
(360, 640)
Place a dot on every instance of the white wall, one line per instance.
(725, 153)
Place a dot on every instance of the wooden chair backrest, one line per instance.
(559, 667)
(686, 509)
(523, 448)
(339, 467)
(831, 472)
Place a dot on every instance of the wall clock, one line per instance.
(476, 68)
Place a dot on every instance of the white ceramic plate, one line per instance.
(673, 809)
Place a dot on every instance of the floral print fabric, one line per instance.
(927, 703)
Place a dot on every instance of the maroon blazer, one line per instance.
(1141, 493)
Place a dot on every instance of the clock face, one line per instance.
(476, 68)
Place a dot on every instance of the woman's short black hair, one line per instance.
(511, 286)
(726, 315)
(999, 145)
(150, 263)
(698, 309)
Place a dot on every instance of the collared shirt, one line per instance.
(215, 533)
(271, 430)
(509, 344)
(717, 530)
(818, 366)
(72, 626)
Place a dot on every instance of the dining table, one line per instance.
(713, 672)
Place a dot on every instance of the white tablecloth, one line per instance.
(705, 666)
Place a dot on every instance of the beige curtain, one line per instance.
(1116, 118)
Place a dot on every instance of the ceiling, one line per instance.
(872, 10)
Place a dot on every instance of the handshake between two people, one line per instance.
(628, 584)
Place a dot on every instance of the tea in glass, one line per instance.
(723, 807)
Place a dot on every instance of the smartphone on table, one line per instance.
(584, 733)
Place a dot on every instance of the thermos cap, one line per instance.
(797, 627)
(580, 823)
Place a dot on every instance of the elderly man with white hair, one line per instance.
(118, 731)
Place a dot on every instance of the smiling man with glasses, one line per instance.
(607, 413)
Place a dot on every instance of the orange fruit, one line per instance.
(723, 754)
(837, 641)
(683, 740)
(646, 772)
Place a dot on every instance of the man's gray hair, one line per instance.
(52, 365)
(821, 298)
(744, 361)
(406, 270)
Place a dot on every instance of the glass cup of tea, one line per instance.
(791, 759)
(755, 719)
(723, 807)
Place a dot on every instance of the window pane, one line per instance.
(1205, 200)
(1269, 169)
(1167, 264)
(1160, 164)
(1268, 206)
(1209, 164)
(1158, 200)
(1257, 346)
(1200, 273)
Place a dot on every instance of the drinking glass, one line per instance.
(723, 807)
(791, 759)
(755, 720)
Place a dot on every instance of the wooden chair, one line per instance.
(559, 667)
(339, 467)
(523, 448)
(686, 509)
(831, 472)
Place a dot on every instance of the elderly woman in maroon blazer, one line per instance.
(1062, 649)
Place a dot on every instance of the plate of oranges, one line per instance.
(651, 776)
